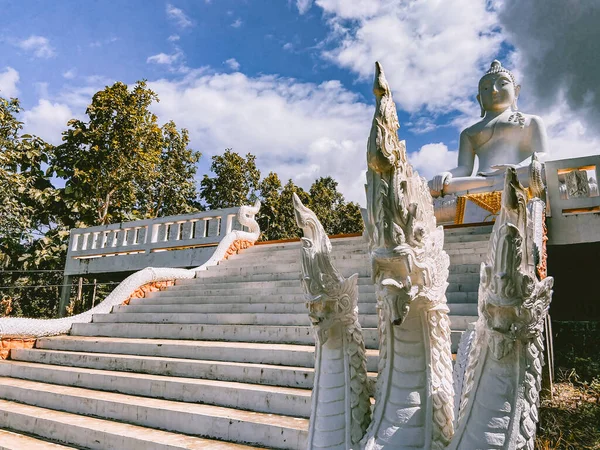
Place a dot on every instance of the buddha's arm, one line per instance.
(539, 139)
(466, 157)
(466, 161)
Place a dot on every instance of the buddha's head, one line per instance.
(498, 89)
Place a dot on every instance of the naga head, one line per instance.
(513, 301)
(246, 215)
(331, 298)
(409, 264)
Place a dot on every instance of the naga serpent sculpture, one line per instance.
(499, 396)
(341, 408)
(499, 365)
(414, 392)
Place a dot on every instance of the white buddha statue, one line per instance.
(503, 137)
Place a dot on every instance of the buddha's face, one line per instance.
(497, 92)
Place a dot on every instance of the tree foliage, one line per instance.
(116, 165)
(120, 165)
(31, 233)
(276, 217)
(336, 216)
(172, 189)
(234, 183)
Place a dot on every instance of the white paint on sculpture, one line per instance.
(341, 408)
(502, 378)
(414, 394)
(504, 137)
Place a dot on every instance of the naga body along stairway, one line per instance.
(222, 361)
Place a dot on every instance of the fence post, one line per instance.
(65, 295)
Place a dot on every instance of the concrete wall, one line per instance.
(572, 219)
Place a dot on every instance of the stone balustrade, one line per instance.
(134, 245)
(574, 203)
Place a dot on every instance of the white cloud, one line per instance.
(8, 83)
(178, 16)
(164, 58)
(232, 64)
(349, 9)
(431, 159)
(69, 74)
(569, 134)
(38, 45)
(299, 130)
(237, 23)
(303, 5)
(288, 46)
(100, 43)
(433, 51)
(47, 120)
(173, 38)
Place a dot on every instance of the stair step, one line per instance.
(468, 230)
(244, 333)
(345, 261)
(216, 422)
(242, 352)
(251, 397)
(366, 320)
(278, 319)
(240, 333)
(291, 270)
(245, 308)
(197, 297)
(272, 375)
(336, 244)
(208, 319)
(9, 440)
(231, 308)
(457, 274)
(458, 283)
(97, 434)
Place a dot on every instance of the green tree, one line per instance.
(107, 158)
(234, 183)
(268, 217)
(32, 236)
(117, 165)
(336, 216)
(286, 219)
(173, 189)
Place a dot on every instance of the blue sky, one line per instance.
(288, 80)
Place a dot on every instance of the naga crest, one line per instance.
(406, 245)
(512, 299)
(331, 298)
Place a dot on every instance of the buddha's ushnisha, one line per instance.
(503, 137)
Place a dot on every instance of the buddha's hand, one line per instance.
(438, 182)
(498, 169)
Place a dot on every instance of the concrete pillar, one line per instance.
(65, 295)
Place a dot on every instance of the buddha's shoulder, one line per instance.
(474, 129)
(532, 120)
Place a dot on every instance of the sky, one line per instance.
(290, 80)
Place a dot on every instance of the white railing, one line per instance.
(574, 200)
(168, 233)
(206, 228)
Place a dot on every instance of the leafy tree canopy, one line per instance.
(116, 165)
(120, 165)
(235, 181)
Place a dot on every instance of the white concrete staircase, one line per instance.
(227, 356)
